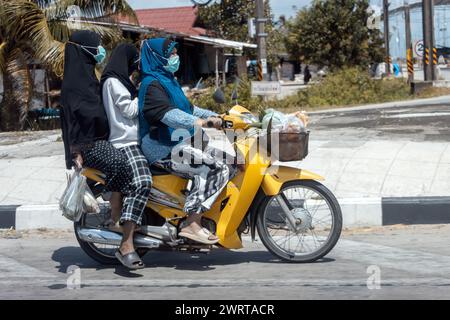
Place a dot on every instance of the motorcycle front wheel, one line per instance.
(313, 229)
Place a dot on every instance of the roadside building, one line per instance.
(202, 56)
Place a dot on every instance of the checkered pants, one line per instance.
(136, 199)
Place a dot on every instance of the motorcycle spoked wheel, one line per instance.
(316, 235)
(104, 254)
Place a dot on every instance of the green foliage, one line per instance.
(351, 86)
(334, 34)
(346, 87)
(228, 19)
(243, 88)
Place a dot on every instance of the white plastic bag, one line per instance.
(278, 119)
(281, 122)
(90, 204)
(293, 125)
(72, 200)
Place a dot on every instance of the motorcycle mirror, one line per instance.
(219, 96)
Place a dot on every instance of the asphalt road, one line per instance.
(410, 262)
(426, 123)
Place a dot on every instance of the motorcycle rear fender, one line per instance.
(276, 176)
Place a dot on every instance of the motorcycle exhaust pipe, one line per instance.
(111, 238)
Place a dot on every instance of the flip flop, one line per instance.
(201, 236)
(130, 260)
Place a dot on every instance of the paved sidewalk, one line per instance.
(352, 169)
(382, 168)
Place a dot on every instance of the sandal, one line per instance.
(130, 260)
(202, 236)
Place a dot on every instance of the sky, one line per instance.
(279, 7)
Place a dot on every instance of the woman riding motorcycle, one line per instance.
(163, 109)
(121, 105)
(85, 128)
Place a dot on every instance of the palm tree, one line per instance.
(35, 30)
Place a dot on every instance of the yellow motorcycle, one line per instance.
(296, 217)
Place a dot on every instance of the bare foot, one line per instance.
(195, 228)
(125, 249)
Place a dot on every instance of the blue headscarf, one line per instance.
(153, 60)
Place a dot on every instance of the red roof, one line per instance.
(179, 19)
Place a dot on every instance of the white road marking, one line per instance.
(417, 115)
(10, 268)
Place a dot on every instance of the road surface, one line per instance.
(396, 262)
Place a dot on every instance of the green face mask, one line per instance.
(173, 64)
(101, 53)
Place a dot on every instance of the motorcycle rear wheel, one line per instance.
(306, 199)
(104, 254)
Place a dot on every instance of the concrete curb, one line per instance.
(361, 212)
(388, 105)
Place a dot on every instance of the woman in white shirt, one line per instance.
(121, 105)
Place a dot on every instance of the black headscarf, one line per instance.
(84, 118)
(122, 64)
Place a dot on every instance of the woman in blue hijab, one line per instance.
(166, 115)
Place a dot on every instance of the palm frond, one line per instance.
(19, 75)
(99, 10)
(61, 30)
(2, 21)
(2, 57)
(27, 22)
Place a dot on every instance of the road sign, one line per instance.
(265, 88)
(419, 48)
(251, 27)
(264, 66)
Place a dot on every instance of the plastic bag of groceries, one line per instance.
(274, 117)
(291, 123)
(72, 200)
(90, 204)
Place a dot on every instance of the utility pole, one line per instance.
(386, 35)
(409, 52)
(261, 37)
(428, 39)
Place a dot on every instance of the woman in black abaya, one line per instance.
(86, 131)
